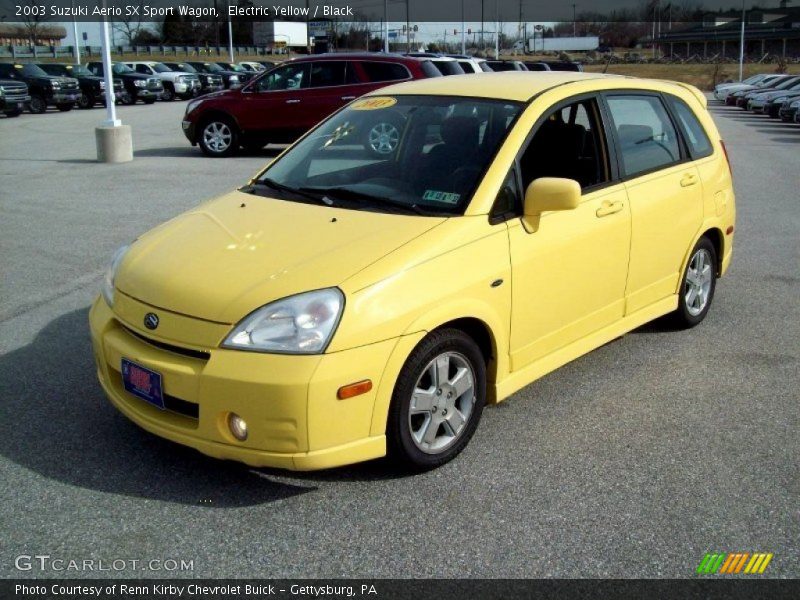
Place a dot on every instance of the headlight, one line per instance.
(102, 85)
(55, 85)
(140, 83)
(111, 274)
(301, 324)
(234, 78)
(180, 79)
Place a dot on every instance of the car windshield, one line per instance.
(186, 68)
(120, 69)
(423, 154)
(213, 68)
(31, 70)
(232, 67)
(161, 68)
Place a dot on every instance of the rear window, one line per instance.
(696, 137)
(385, 71)
(448, 67)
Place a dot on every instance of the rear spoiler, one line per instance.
(701, 97)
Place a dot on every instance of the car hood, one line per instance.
(238, 252)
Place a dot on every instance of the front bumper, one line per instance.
(64, 97)
(295, 420)
(13, 103)
(787, 113)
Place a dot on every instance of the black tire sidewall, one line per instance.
(682, 314)
(90, 100)
(168, 95)
(41, 109)
(401, 447)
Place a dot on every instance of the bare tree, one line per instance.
(129, 25)
(32, 23)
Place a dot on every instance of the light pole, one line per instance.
(741, 47)
(574, 22)
(463, 33)
(386, 25)
(230, 32)
(76, 50)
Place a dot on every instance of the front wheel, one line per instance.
(437, 401)
(698, 285)
(168, 95)
(218, 138)
(87, 100)
(37, 105)
(127, 99)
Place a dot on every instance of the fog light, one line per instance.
(238, 426)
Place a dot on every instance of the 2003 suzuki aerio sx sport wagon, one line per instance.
(425, 250)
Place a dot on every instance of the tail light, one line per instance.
(727, 158)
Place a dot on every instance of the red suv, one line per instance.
(285, 102)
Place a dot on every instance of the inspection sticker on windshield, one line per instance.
(374, 103)
(443, 197)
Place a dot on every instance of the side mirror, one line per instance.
(548, 194)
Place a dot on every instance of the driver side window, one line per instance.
(289, 77)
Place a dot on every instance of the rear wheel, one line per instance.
(218, 137)
(698, 285)
(127, 99)
(37, 105)
(437, 401)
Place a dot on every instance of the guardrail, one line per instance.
(18, 52)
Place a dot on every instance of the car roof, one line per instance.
(379, 56)
(521, 86)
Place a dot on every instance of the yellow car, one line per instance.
(426, 250)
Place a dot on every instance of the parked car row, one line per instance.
(775, 95)
(37, 86)
(282, 103)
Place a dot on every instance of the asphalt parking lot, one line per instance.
(633, 461)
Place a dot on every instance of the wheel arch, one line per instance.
(715, 235)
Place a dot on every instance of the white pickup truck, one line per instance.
(176, 83)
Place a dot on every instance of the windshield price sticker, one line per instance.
(374, 103)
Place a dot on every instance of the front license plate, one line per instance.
(143, 383)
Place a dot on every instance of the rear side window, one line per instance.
(429, 69)
(385, 71)
(467, 66)
(696, 137)
(645, 132)
(327, 74)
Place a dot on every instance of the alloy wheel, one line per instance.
(217, 136)
(442, 402)
(699, 277)
(383, 138)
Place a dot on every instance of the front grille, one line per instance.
(154, 83)
(70, 86)
(198, 354)
(15, 93)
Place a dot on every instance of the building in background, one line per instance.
(39, 34)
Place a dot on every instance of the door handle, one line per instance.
(292, 101)
(688, 179)
(609, 208)
(348, 97)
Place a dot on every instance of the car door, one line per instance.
(332, 84)
(273, 105)
(569, 274)
(664, 191)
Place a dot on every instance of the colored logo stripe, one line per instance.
(733, 563)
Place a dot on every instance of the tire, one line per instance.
(127, 99)
(697, 285)
(37, 105)
(65, 107)
(431, 422)
(218, 137)
(168, 95)
(149, 101)
(86, 101)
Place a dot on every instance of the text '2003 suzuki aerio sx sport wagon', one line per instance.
(427, 249)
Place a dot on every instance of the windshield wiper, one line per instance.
(351, 194)
(271, 183)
